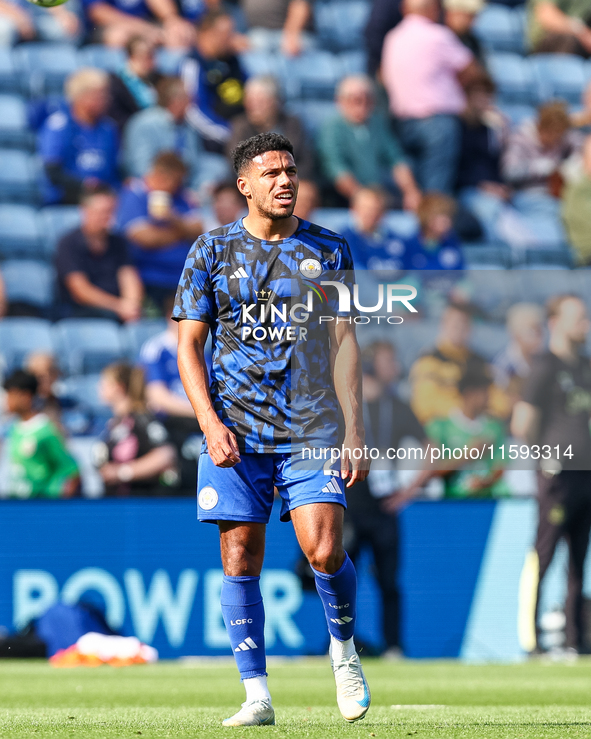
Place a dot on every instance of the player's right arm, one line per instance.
(221, 441)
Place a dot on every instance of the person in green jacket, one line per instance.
(576, 209)
(40, 465)
(358, 147)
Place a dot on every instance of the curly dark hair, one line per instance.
(247, 150)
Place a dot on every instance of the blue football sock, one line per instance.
(244, 616)
(338, 593)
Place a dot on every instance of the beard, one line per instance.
(276, 215)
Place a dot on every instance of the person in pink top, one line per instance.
(423, 67)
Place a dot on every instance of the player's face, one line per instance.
(270, 185)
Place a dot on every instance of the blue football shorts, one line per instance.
(245, 492)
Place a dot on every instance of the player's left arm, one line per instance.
(346, 369)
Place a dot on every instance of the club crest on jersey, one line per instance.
(311, 268)
(208, 498)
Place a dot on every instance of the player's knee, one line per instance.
(327, 559)
(239, 561)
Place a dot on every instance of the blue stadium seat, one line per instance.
(517, 113)
(488, 339)
(403, 224)
(353, 62)
(486, 256)
(500, 29)
(313, 74)
(545, 229)
(335, 219)
(21, 336)
(103, 57)
(9, 81)
(169, 61)
(20, 232)
(550, 259)
(514, 79)
(43, 67)
(414, 338)
(28, 281)
(494, 290)
(257, 63)
(87, 345)
(14, 130)
(57, 220)
(559, 76)
(136, 334)
(19, 175)
(84, 389)
(340, 25)
(312, 113)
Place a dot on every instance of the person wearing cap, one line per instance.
(459, 16)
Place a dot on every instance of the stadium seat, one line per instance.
(136, 334)
(43, 67)
(414, 338)
(312, 113)
(84, 389)
(488, 338)
(353, 62)
(539, 286)
(558, 76)
(403, 224)
(28, 281)
(14, 131)
(169, 61)
(486, 256)
(493, 290)
(21, 336)
(516, 113)
(340, 25)
(20, 232)
(57, 220)
(19, 176)
(545, 230)
(335, 219)
(500, 29)
(9, 81)
(513, 77)
(550, 259)
(87, 345)
(103, 57)
(258, 63)
(313, 74)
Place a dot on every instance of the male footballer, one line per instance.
(236, 284)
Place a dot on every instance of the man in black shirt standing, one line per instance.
(95, 273)
(553, 417)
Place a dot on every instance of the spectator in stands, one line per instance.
(383, 16)
(559, 28)
(469, 426)
(537, 149)
(435, 246)
(163, 128)
(459, 16)
(511, 366)
(39, 464)
(132, 88)
(166, 398)
(264, 112)
(23, 21)
(79, 147)
(484, 134)
(43, 366)
(279, 25)
(115, 22)
(434, 376)
(214, 80)
(373, 246)
(160, 224)
(576, 209)
(136, 457)
(96, 276)
(227, 206)
(358, 148)
(424, 65)
(308, 199)
(368, 519)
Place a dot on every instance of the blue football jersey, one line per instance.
(271, 379)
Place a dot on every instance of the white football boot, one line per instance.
(255, 713)
(353, 696)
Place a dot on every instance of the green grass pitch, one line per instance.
(410, 699)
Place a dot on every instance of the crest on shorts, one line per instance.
(208, 498)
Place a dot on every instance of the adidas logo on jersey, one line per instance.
(245, 645)
(332, 487)
(343, 620)
(240, 272)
